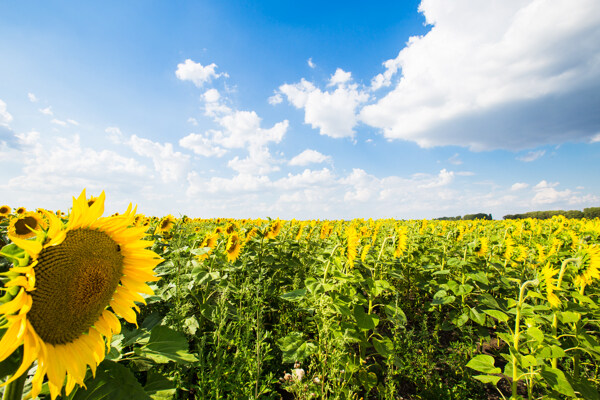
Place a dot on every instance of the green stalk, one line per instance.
(517, 334)
(14, 390)
(555, 316)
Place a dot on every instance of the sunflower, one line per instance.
(166, 224)
(60, 313)
(24, 225)
(274, 229)
(233, 247)
(20, 210)
(5, 211)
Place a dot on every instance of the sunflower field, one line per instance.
(139, 307)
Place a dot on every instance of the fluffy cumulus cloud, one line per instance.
(333, 112)
(237, 129)
(53, 163)
(497, 74)
(309, 156)
(197, 73)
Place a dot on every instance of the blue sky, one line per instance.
(302, 110)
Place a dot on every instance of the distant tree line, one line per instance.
(589, 213)
(466, 217)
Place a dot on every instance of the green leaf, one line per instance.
(536, 334)
(556, 379)
(294, 295)
(294, 348)
(395, 314)
(483, 363)
(383, 346)
(567, 317)
(464, 289)
(367, 379)
(363, 320)
(477, 316)
(15, 254)
(552, 351)
(159, 387)
(488, 378)
(113, 381)
(167, 345)
(441, 297)
(499, 315)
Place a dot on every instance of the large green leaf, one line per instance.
(395, 314)
(294, 348)
(556, 379)
(166, 345)
(294, 295)
(483, 363)
(113, 381)
(159, 387)
(363, 320)
(499, 315)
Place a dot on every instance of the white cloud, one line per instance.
(309, 156)
(518, 186)
(5, 116)
(192, 121)
(201, 145)
(595, 138)
(332, 112)
(58, 122)
(258, 162)
(455, 159)
(443, 179)
(73, 122)
(46, 111)
(50, 164)
(340, 77)
(311, 63)
(197, 73)
(308, 178)
(506, 74)
(532, 156)
(169, 164)
(275, 99)
(32, 98)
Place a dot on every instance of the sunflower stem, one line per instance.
(14, 390)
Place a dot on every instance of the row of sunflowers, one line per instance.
(223, 308)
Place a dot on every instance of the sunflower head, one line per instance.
(78, 278)
(5, 211)
(233, 247)
(166, 223)
(20, 210)
(26, 225)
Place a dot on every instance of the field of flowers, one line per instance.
(273, 309)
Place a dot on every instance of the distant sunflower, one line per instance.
(23, 226)
(166, 224)
(60, 314)
(209, 241)
(590, 267)
(5, 211)
(20, 210)
(233, 247)
(274, 229)
(482, 246)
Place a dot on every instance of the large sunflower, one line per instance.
(61, 313)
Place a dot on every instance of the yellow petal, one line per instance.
(15, 304)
